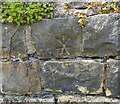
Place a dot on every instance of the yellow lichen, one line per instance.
(82, 19)
(94, 4)
(67, 6)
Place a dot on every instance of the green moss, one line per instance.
(25, 13)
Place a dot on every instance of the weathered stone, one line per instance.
(119, 38)
(12, 40)
(81, 76)
(28, 40)
(71, 99)
(75, 7)
(100, 35)
(79, 5)
(0, 39)
(59, 10)
(0, 77)
(8, 31)
(1, 99)
(17, 41)
(20, 77)
(113, 77)
(49, 100)
(28, 100)
(57, 38)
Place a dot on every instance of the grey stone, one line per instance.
(113, 78)
(76, 7)
(60, 10)
(88, 12)
(85, 99)
(79, 5)
(57, 38)
(8, 30)
(27, 99)
(41, 100)
(17, 41)
(12, 40)
(22, 43)
(1, 99)
(20, 77)
(18, 46)
(119, 38)
(81, 76)
(100, 36)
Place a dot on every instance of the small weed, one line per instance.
(67, 6)
(107, 8)
(82, 19)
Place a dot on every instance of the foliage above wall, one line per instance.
(25, 13)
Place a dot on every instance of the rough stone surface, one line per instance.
(63, 38)
(28, 100)
(119, 38)
(1, 99)
(100, 35)
(71, 99)
(113, 82)
(57, 38)
(0, 77)
(12, 40)
(20, 77)
(85, 99)
(75, 7)
(81, 76)
(17, 41)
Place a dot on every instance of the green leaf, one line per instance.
(21, 13)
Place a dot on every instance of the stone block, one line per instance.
(13, 40)
(20, 77)
(76, 99)
(76, 76)
(113, 77)
(57, 38)
(27, 100)
(16, 41)
(100, 35)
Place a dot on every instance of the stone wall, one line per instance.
(56, 60)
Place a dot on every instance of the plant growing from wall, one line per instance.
(93, 5)
(109, 8)
(67, 6)
(105, 9)
(25, 13)
(82, 19)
